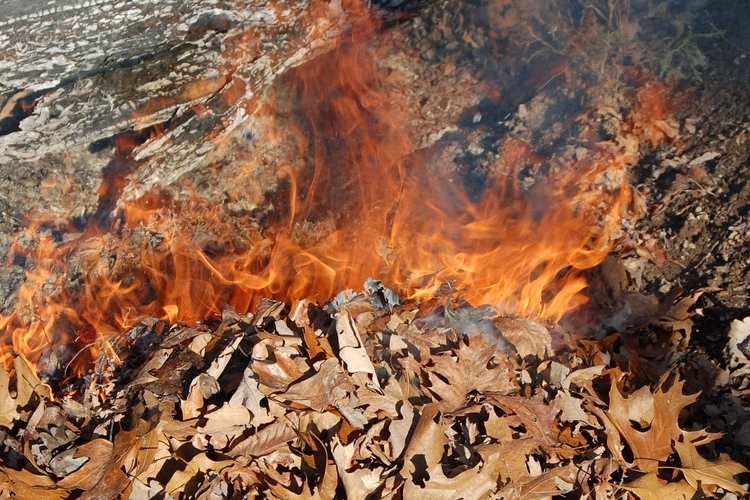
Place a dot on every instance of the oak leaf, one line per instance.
(508, 458)
(708, 475)
(423, 473)
(650, 487)
(538, 416)
(274, 366)
(479, 367)
(657, 418)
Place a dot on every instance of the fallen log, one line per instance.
(77, 76)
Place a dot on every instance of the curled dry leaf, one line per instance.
(352, 350)
(424, 474)
(274, 366)
(100, 458)
(25, 484)
(8, 405)
(529, 338)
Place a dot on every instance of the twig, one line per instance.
(708, 19)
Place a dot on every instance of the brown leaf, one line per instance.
(99, 453)
(135, 450)
(116, 485)
(249, 395)
(423, 473)
(476, 367)
(27, 382)
(528, 337)
(25, 484)
(708, 475)
(265, 440)
(508, 458)
(650, 487)
(199, 464)
(548, 483)
(8, 405)
(358, 481)
(322, 390)
(274, 366)
(651, 444)
(538, 416)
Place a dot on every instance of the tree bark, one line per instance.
(76, 75)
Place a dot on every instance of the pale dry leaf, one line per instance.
(319, 459)
(375, 405)
(66, 462)
(572, 411)
(274, 366)
(199, 464)
(322, 390)
(423, 473)
(266, 440)
(352, 350)
(226, 421)
(217, 366)
(475, 367)
(425, 448)
(641, 406)
(545, 485)
(583, 377)
(650, 487)
(399, 428)
(707, 475)
(528, 337)
(27, 382)
(508, 458)
(738, 348)
(8, 405)
(249, 395)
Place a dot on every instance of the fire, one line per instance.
(357, 202)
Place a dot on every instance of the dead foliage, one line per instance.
(365, 401)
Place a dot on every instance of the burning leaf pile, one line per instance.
(364, 401)
(169, 348)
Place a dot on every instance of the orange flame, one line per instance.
(359, 204)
